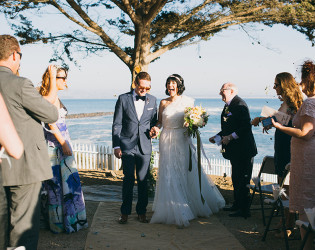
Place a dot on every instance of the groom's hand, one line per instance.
(117, 152)
(154, 132)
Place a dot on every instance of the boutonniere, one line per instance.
(227, 112)
(147, 100)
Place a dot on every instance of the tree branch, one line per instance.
(155, 9)
(218, 24)
(94, 28)
(135, 19)
(182, 20)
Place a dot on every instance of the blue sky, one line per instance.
(229, 56)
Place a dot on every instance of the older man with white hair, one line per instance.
(238, 146)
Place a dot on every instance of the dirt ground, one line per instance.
(248, 231)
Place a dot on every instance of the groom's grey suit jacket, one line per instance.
(127, 129)
(27, 109)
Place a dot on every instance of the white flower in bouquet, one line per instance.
(194, 118)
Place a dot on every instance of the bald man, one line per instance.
(238, 146)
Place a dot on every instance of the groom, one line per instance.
(238, 146)
(135, 115)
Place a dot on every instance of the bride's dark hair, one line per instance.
(180, 83)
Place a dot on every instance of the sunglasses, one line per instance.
(61, 77)
(144, 88)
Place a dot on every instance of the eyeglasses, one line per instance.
(221, 90)
(20, 55)
(61, 77)
(144, 88)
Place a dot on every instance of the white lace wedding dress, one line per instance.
(177, 198)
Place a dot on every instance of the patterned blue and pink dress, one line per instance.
(63, 201)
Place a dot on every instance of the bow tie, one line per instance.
(140, 98)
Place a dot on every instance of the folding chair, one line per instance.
(267, 167)
(278, 206)
(308, 228)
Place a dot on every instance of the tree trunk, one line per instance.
(141, 52)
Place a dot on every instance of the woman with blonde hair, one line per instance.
(64, 208)
(302, 172)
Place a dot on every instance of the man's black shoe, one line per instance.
(230, 208)
(239, 213)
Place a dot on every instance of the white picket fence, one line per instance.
(92, 157)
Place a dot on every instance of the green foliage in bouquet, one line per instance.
(194, 118)
(152, 177)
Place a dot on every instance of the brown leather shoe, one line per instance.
(142, 218)
(123, 219)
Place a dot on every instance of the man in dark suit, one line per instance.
(135, 116)
(22, 178)
(238, 146)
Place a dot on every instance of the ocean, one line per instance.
(97, 130)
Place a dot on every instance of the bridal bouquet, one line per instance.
(194, 118)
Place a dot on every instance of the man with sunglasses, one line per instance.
(21, 179)
(135, 115)
(238, 146)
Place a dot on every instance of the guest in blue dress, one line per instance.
(63, 201)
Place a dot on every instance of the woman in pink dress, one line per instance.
(302, 184)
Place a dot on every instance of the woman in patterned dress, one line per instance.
(64, 207)
(302, 171)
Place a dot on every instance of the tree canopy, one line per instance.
(140, 31)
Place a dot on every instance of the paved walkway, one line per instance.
(106, 233)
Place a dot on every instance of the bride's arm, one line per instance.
(161, 108)
(156, 129)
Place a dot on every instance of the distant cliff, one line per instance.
(85, 115)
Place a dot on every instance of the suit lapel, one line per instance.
(132, 105)
(147, 101)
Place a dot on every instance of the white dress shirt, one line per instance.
(139, 105)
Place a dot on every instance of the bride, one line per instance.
(178, 196)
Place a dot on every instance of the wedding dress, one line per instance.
(178, 197)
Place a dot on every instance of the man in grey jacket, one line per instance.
(22, 178)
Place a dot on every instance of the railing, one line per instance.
(93, 157)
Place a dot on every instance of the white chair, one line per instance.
(278, 206)
(267, 167)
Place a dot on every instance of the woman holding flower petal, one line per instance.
(179, 198)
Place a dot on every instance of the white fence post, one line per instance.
(102, 157)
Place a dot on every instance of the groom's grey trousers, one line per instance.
(131, 160)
